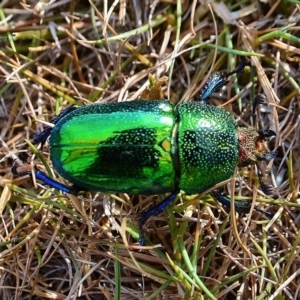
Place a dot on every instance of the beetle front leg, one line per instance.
(153, 211)
(217, 80)
(242, 206)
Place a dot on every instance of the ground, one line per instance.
(61, 53)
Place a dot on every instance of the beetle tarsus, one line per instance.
(53, 183)
(238, 69)
(153, 211)
(46, 179)
(268, 214)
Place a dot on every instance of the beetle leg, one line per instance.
(46, 179)
(153, 211)
(242, 206)
(218, 80)
(258, 99)
(53, 183)
(266, 133)
(238, 69)
(42, 137)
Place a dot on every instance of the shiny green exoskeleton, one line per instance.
(150, 147)
(145, 147)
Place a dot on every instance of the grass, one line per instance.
(59, 246)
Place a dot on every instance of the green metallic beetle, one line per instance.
(150, 147)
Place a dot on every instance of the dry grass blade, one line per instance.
(58, 53)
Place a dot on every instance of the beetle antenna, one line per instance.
(264, 135)
(258, 99)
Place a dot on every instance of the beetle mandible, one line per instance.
(150, 147)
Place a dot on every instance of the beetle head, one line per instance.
(254, 145)
(253, 148)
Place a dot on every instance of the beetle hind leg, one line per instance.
(46, 179)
